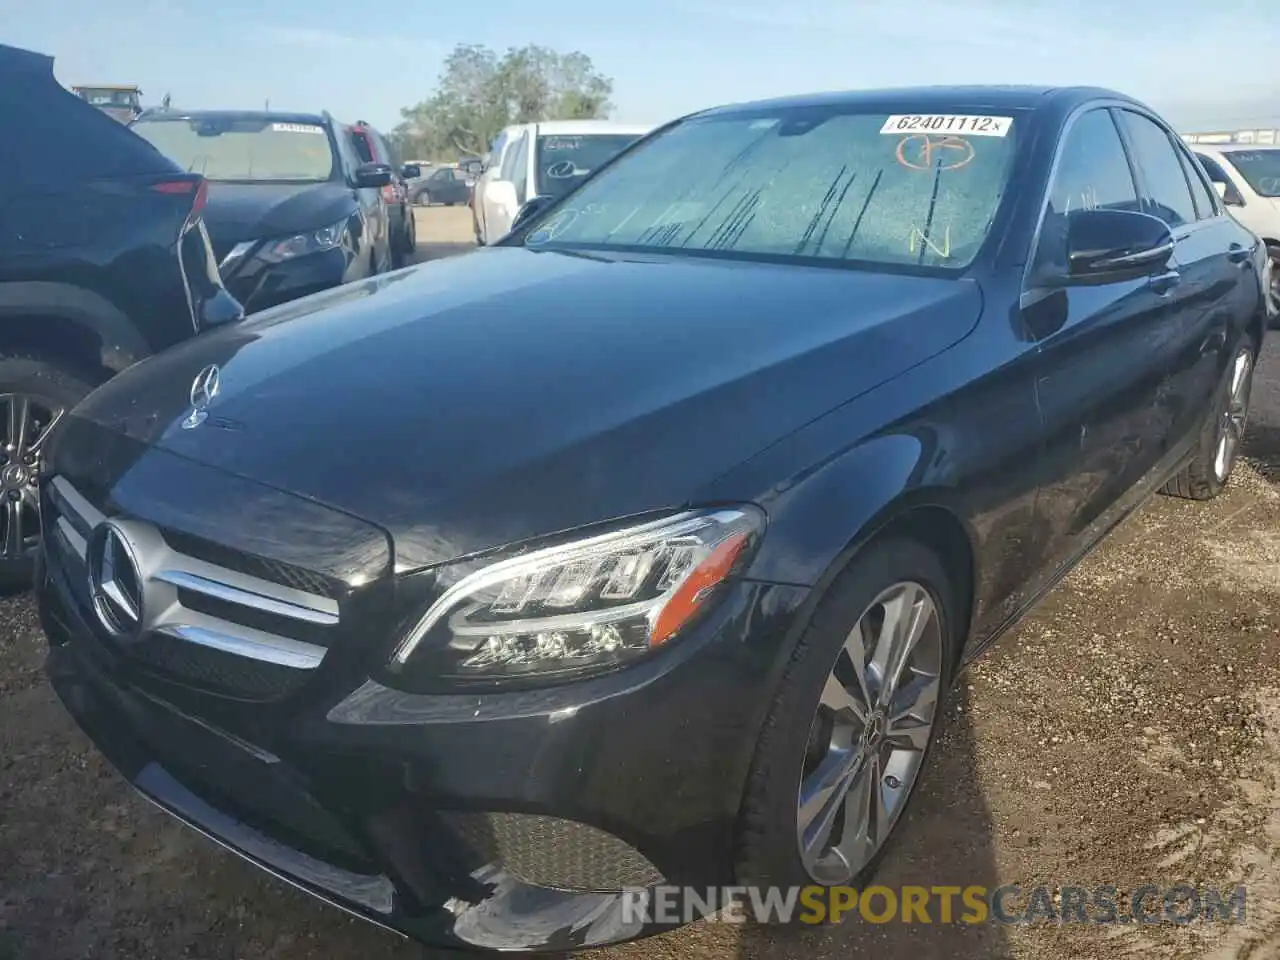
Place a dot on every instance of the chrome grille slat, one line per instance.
(74, 540)
(248, 591)
(75, 505)
(169, 573)
(246, 642)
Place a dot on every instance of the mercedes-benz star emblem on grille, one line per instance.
(203, 389)
(115, 583)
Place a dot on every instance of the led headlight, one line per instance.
(313, 241)
(587, 605)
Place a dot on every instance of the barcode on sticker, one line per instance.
(969, 126)
(296, 128)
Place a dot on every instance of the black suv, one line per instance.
(293, 209)
(104, 259)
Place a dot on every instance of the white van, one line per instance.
(542, 159)
(1247, 178)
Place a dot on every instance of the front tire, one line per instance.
(410, 231)
(35, 394)
(852, 722)
(1220, 438)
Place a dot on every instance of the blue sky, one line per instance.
(1203, 64)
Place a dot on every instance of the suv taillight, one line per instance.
(194, 186)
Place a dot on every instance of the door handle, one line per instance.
(1162, 283)
(1237, 253)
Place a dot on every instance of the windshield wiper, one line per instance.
(822, 210)
(857, 224)
(731, 229)
(928, 220)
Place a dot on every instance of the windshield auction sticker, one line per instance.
(948, 123)
(296, 128)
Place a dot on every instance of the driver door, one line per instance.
(1106, 355)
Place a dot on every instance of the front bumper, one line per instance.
(258, 284)
(495, 821)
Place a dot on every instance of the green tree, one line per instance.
(478, 93)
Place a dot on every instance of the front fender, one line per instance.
(817, 520)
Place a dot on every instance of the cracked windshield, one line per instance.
(800, 183)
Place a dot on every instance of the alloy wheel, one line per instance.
(868, 738)
(1231, 426)
(25, 425)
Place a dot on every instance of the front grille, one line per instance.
(555, 853)
(221, 620)
(285, 574)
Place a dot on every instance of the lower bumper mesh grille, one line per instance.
(560, 854)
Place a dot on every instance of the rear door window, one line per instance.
(1206, 202)
(1168, 195)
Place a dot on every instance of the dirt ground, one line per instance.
(1127, 733)
(443, 231)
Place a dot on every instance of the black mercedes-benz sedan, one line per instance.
(643, 547)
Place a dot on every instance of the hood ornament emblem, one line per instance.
(203, 389)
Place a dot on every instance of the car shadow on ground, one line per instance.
(947, 839)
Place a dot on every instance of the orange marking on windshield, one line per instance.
(920, 151)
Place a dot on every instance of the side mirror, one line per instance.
(1105, 246)
(1221, 188)
(532, 207)
(411, 171)
(373, 174)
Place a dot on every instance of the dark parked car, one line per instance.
(292, 208)
(372, 148)
(446, 185)
(104, 260)
(661, 575)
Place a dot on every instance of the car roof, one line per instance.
(1231, 147)
(274, 116)
(581, 128)
(15, 58)
(939, 98)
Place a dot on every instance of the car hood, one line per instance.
(506, 394)
(236, 212)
